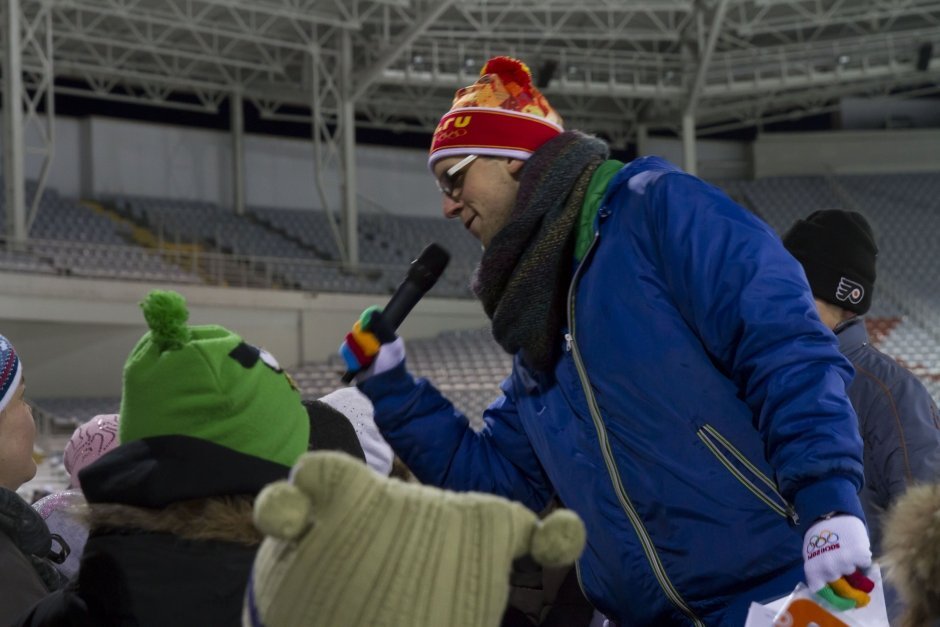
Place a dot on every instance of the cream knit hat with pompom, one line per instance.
(346, 546)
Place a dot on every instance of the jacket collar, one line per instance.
(154, 472)
(587, 219)
(852, 335)
(24, 526)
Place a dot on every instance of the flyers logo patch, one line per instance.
(850, 291)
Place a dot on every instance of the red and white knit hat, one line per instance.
(502, 114)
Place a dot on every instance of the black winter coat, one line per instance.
(171, 540)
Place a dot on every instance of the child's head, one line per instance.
(17, 429)
(206, 382)
(90, 441)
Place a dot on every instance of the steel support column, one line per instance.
(323, 91)
(13, 144)
(237, 129)
(689, 153)
(642, 139)
(347, 126)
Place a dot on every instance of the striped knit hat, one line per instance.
(347, 546)
(11, 372)
(502, 114)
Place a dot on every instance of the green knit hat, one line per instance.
(206, 382)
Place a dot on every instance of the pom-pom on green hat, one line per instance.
(206, 382)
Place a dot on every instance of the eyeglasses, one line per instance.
(447, 183)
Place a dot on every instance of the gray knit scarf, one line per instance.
(523, 275)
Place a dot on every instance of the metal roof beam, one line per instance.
(705, 57)
(308, 11)
(610, 22)
(800, 66)
(238, 30)
(137, 99)
(795, 15)
(170, 52)
(364, 79)
(93, 68)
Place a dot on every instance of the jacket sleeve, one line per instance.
(20, 586)
(437, 443)
(62, 608)
(904, 442)
(749, 303)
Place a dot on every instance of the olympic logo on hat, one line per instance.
(819, 541)
(454, 134)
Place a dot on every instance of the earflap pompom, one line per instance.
(507, 67)
(282, 511)
(166, 315)
(559, 539)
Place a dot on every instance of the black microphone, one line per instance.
(422, 275)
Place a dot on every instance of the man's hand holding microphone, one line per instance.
(372, 347)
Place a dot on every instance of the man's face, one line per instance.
(17, 435)
(483, 193)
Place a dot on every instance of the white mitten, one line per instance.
(389, 356)
(833, 548)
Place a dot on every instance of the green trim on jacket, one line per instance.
(592, 202)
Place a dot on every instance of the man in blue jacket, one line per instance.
(671, 382)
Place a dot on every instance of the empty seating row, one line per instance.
(68, 237)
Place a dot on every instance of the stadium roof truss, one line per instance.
(609, 66)
(613, 62)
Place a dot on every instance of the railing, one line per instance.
(177, 263)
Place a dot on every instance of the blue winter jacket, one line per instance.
(898, 421)
(697, 410)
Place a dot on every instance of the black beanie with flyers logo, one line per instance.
(837, 249)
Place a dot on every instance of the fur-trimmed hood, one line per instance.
(224, 519)
(911, 547)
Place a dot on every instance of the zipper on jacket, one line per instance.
(712, 439)
(577, 575)
(632, 515)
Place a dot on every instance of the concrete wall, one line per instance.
(74, 334)
(96, 157)
(717, 159)
(64, 174)
(105, 156)
(847, 152)
(886, 113)
(157, 160)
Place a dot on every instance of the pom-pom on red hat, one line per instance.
(501, 114)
